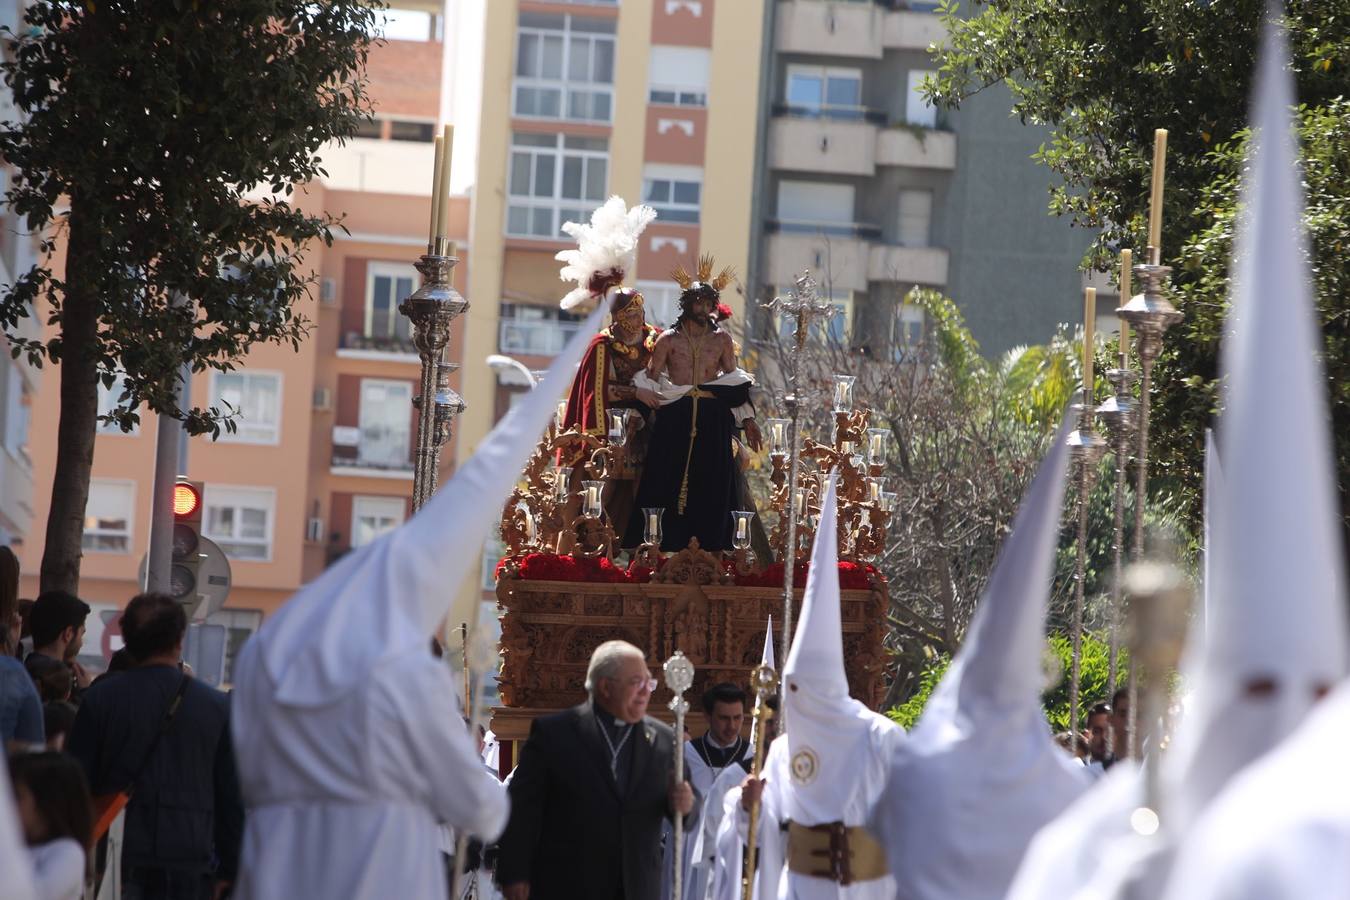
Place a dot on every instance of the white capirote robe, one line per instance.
(1281, 830)
(857, 789)
(345, 800)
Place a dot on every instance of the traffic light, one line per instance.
(187, 527)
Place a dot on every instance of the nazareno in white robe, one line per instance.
(351, 744)
(346, 799)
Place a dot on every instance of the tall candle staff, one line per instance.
(679, 673)
(431, 309)
(1119, 412)
(1151, 315)
(1086, 448)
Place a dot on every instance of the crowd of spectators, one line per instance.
(144, 737)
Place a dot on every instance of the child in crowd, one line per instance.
(58, 820)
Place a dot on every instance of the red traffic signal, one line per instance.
(187, 499)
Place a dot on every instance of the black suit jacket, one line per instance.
(573, 832)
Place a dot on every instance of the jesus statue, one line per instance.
(701, 397)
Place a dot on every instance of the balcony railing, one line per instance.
(827, 111)
(352, 458)
(353, 340)
(534, 337)
(859, 230)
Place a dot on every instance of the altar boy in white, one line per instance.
(823, 777)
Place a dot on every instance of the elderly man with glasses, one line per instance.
(591, 791)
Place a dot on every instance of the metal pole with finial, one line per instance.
(679, 672)
(1151, 314)
(1086, 448)
(802, 305)
(764, 681)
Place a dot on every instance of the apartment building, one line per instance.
(876, 191)
(322, 458)
(18, 380)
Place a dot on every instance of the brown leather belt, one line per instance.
(842, 853)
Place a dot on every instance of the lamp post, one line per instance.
(502, 363)
(802, 304)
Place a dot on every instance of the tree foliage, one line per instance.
(1092, 681)
(1104, 76)
(176, 133)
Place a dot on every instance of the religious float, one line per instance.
(589, 559)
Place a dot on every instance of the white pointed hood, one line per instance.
(387, 598)
(766, 658)
(14, 859)
(829, 734)
(1277, 589)
(980, 773)
(1213, 486)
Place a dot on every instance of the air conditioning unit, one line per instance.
(314, 530)
(323, 399)
(328, 295)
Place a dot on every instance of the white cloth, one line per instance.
(725, 883)
(669, 392)
(58, 869)
(16, 866)
(700, 846)
(1281, 829)
(347, 800)
(830, 764)
(980, 773)
(350, 742)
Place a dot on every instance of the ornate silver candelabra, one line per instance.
(1151, 314)
(431, 309)
(1120, 413)
(802, 304)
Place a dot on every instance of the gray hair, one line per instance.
(607, 660)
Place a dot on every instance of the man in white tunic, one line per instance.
(825, 773)
(706, 758)
(1275, 633)
(980, 772)
(351, 746)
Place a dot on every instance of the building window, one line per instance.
(239, 519)
(661, 301)
(387, 284)
(108, 399)
(815, 206)
(673, 191)
(240, 625)
(835, 329)
(554, 178)
(18, 414)
(678, 76)
(907, 331)
(564, 67)
(822, 91)
(914, 219)
(385, 424)
(108, 516)
(370, 129)
(374, 516)
(535, 330)
(918, 111)
(255, 397)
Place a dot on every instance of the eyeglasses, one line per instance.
(637, 681)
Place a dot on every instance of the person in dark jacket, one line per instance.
(185, 819)
(592, 789)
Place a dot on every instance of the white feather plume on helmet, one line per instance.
(606, 252)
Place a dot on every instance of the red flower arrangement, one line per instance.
(598, 570)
